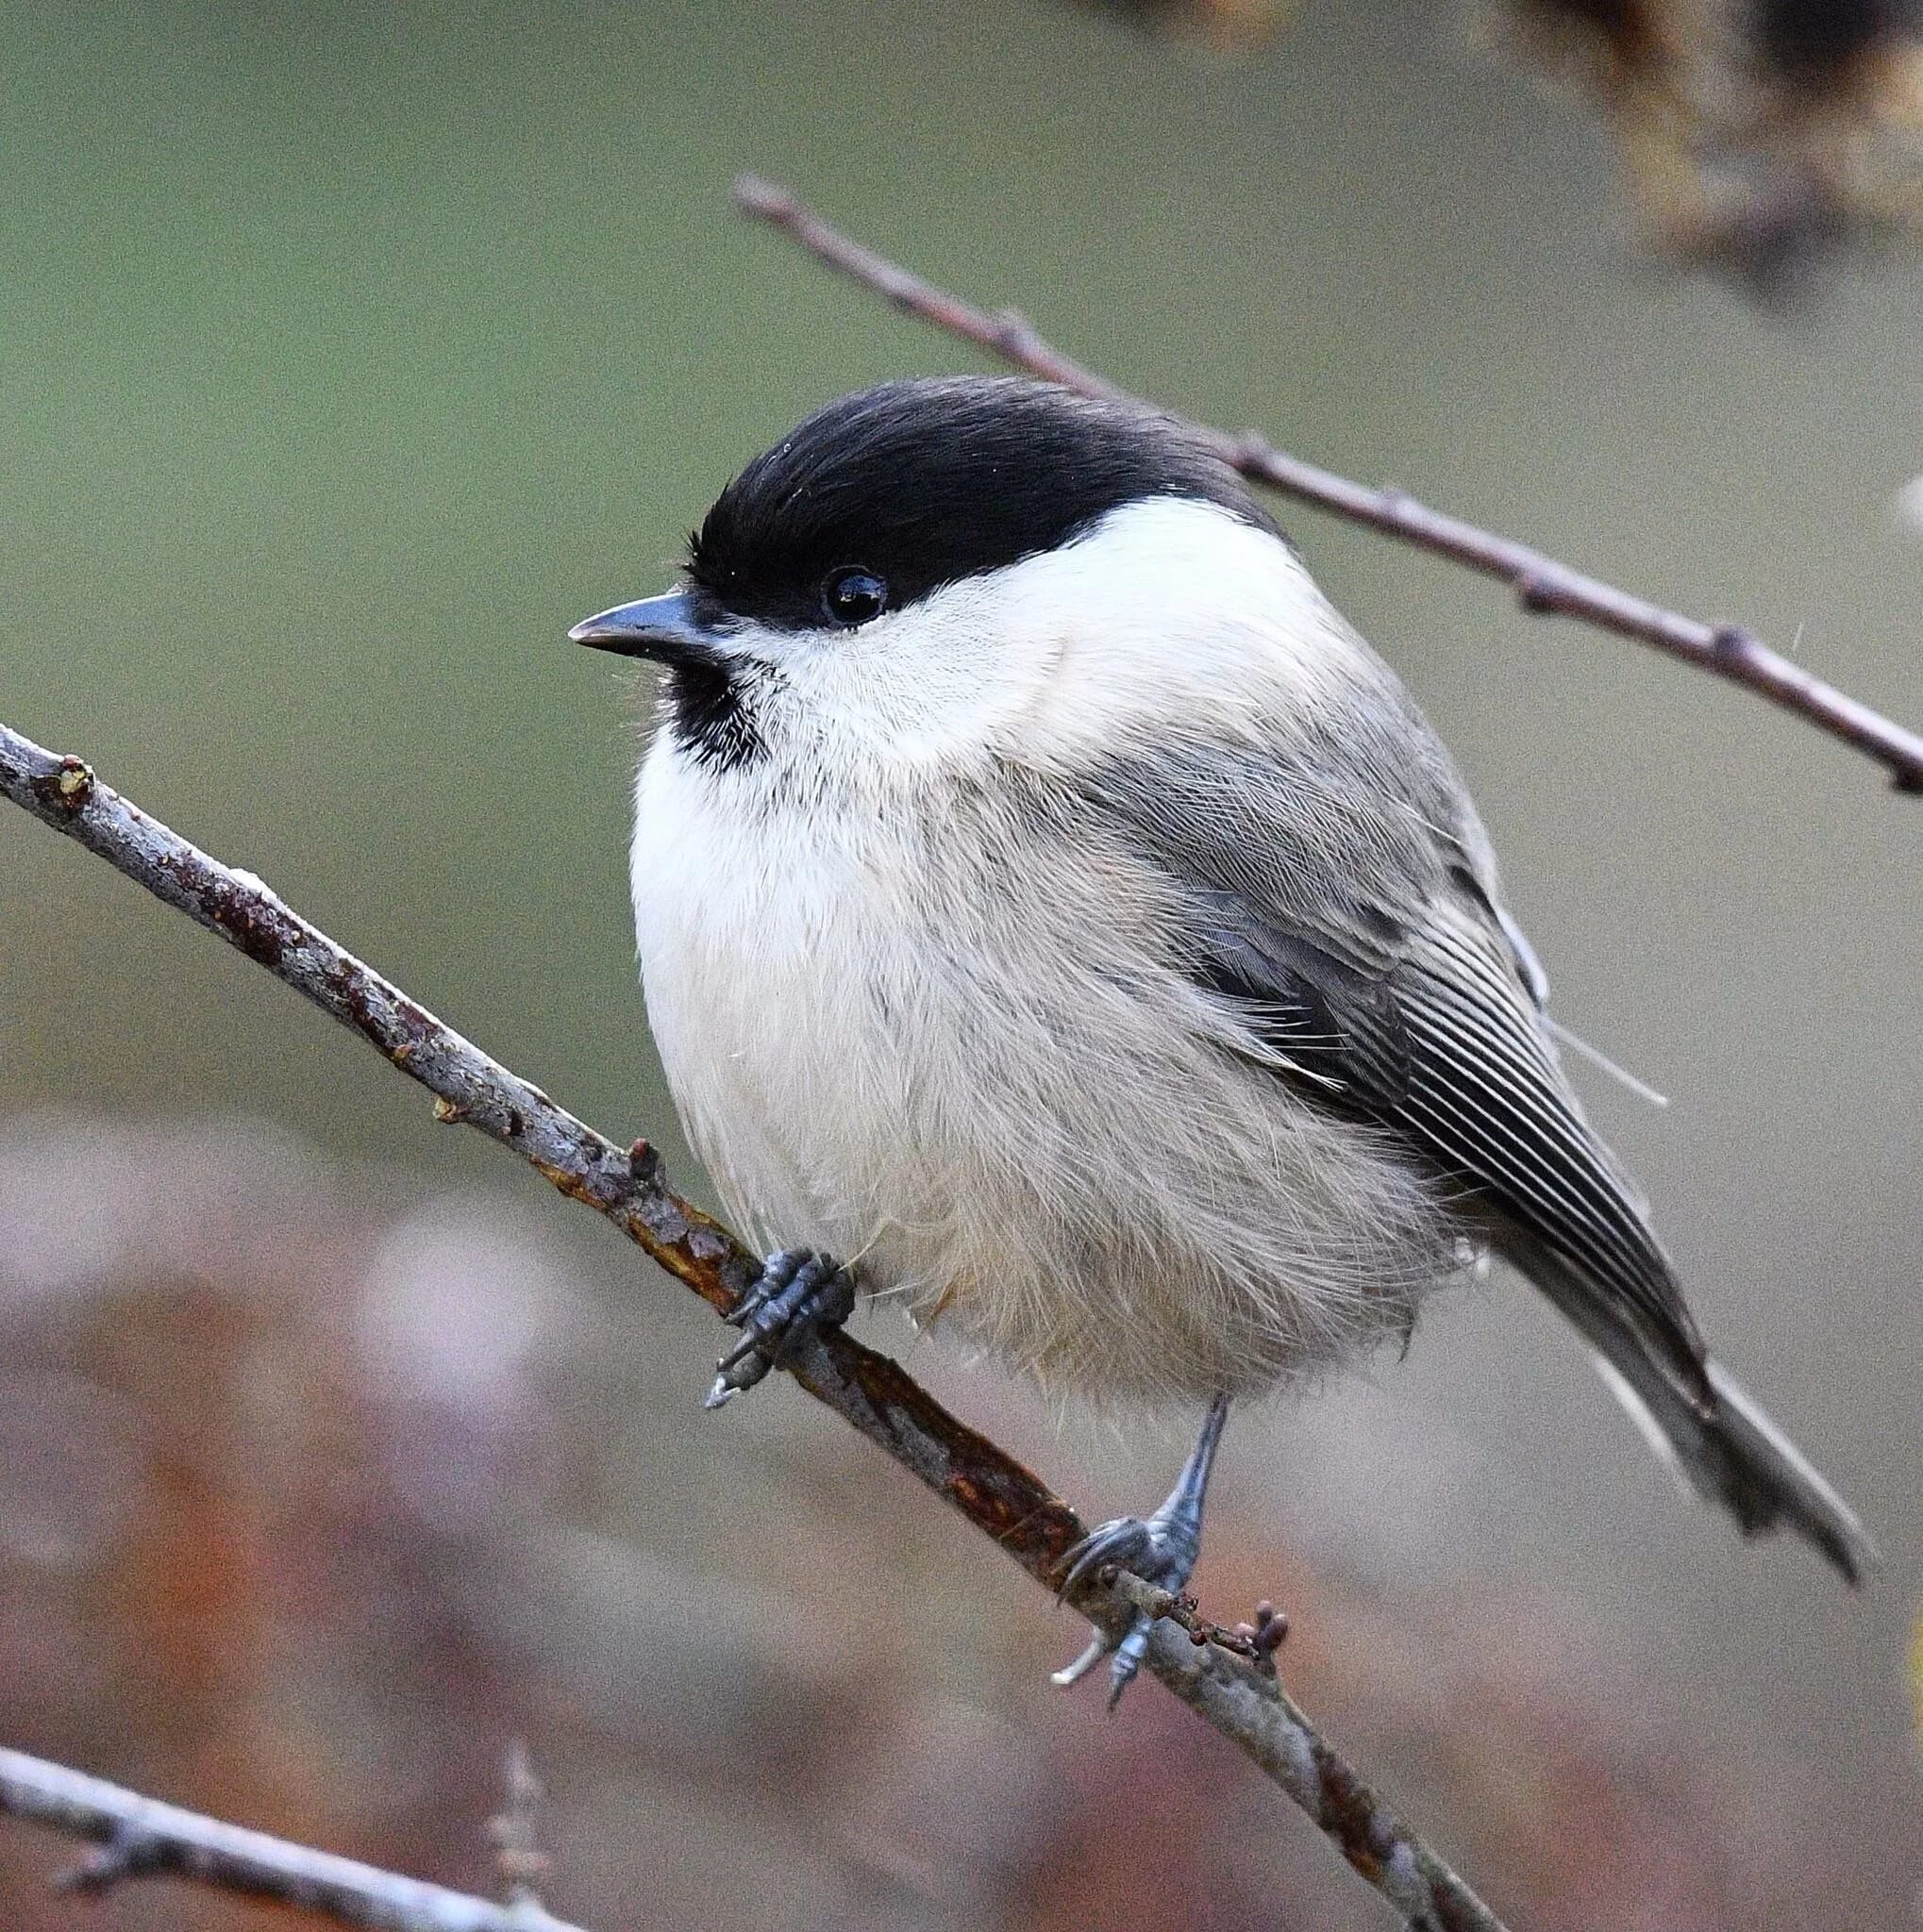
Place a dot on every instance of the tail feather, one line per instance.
(1737, 1457)
(1728, 1449)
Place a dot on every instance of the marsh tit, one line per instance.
(1049, 906)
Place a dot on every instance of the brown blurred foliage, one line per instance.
(314, 1494)
(1755, 134)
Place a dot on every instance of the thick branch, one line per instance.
(995, 1494)
(1543, 585)
(141, 1836)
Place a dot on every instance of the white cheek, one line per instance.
(1173, 610)
(915, 689)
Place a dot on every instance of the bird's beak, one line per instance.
(664, 627)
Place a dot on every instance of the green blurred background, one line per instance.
(353, 352)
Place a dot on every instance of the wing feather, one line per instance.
(1402, 991)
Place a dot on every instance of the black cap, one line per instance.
(923, 483)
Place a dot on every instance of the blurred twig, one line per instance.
(138, 1837)
(515, 1832)
(1543, 586)
(1228, 25)
(1241, 1699)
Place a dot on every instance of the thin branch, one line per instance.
(1543, 585)
(1034, 1527)
(141, 1836)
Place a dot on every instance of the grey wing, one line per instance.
(1351, 927)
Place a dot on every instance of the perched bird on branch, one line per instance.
(1049, 906)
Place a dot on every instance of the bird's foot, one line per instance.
(797, 1295)
(1161, 1550)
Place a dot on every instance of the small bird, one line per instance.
(1050, 906)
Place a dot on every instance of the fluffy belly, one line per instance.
(1211, 1260)
(1018, 1136)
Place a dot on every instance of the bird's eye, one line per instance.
(853, 596)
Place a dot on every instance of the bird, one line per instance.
(1054, 918)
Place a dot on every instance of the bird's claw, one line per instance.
(1125, 1654)
(1159, 1549)
(797, 1294)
